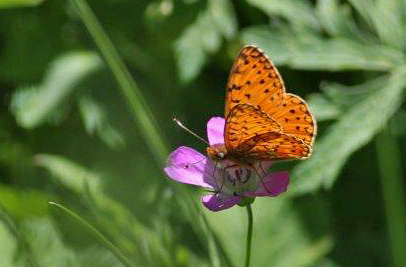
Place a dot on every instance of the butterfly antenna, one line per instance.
(180, 124)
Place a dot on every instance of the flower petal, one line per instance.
(276, 183)
(186, 165)
(215, 130)
(217, 202)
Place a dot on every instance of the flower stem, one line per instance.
(249, 237)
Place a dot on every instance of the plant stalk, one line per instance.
(392, 182)
(249, 237)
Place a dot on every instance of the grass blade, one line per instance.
(96, 234)
(143, 115)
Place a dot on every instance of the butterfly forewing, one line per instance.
(254, 80)
(263, 122)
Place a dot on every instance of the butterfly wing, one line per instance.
(246, 122)
(254, 80)
(253, 135)
(280, 148)
(296, 119)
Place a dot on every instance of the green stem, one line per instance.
(249, 237)
(96, 234)
(393, 195)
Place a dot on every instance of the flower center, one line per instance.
(235, 180)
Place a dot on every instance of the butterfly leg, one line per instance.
(223, 179)
(262, 176)
(214, 176)
(223, 176)
(262, 169)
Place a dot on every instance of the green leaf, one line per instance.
(355, 128)
(223, 15)
(19, 3)
(69, 173)
(96, 122)
(322, 108)
(346, 96)
(45, 244)
(337, 19)
(193, 46)
(23, 203)
(9, 245)
(310, 254)
(286, 48)
(389, 23)
(386, 17)
(298, 12)
(34, 105)
(364, 8)
(203, 38)
(94, 256)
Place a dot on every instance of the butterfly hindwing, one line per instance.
(295, 118)
(280, 148)
(246, 122)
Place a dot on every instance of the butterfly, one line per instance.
(263, 122)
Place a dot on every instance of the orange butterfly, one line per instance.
(263, 122)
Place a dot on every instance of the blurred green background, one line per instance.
(88, 91)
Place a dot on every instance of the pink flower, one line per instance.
(229, 186)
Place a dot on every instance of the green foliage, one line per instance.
(19, 3)
(95, 121)
(95, 136)
(70, 174)
(299, 13)
(203, 37)
(274, 221)
(36, 104)
(309, 52)
(349, 134)
(48, 248)
(23, 203)
(7, 253)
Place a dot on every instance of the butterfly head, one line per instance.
(217, 152)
